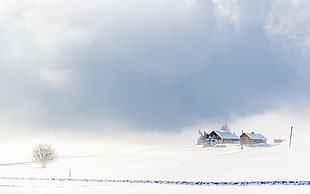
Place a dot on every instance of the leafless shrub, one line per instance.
(43, 153)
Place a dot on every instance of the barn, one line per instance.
(252, 138)
(223, 137)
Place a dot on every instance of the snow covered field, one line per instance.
(150, 162)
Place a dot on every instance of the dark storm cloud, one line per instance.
(183, 84)
(161, 66)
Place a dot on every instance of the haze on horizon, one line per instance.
(152, 65)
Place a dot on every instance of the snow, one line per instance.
(125, 167)
(226, 134)
(256, 136)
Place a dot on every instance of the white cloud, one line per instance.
(288, 22)
(241, 15)
(32, 42)
(155, 63)
(58, 79)
(228, 11)
(190, 2)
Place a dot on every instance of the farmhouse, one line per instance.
(252, 138)
(224, 137)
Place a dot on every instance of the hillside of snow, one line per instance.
(142, 161)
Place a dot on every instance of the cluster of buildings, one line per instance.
(225, 136)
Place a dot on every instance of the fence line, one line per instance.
(190, 183)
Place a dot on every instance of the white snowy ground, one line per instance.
(141, 161)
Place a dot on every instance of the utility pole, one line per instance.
(70, 173)
(291, 136)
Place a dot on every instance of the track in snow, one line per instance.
(193, 183)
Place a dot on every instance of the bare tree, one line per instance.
(43, 153)
(225, 128)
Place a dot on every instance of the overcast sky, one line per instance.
(150, 64)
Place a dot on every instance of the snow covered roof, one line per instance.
(226, 134)
(256, 136)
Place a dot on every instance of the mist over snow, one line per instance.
(165, 65)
